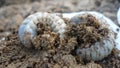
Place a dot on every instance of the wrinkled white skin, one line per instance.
(112, 25)
(97, 51)
(27, 30)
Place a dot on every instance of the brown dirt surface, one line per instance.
(14, 55)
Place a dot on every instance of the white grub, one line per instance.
(112, 25)
(27, 29)
(100, 49)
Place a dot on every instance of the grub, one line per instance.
(87, 32)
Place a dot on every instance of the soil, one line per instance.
(14, 55)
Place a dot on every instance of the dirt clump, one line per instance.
(87, 32)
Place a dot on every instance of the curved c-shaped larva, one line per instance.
(98, 50)
(112, 25)
(27, 29)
